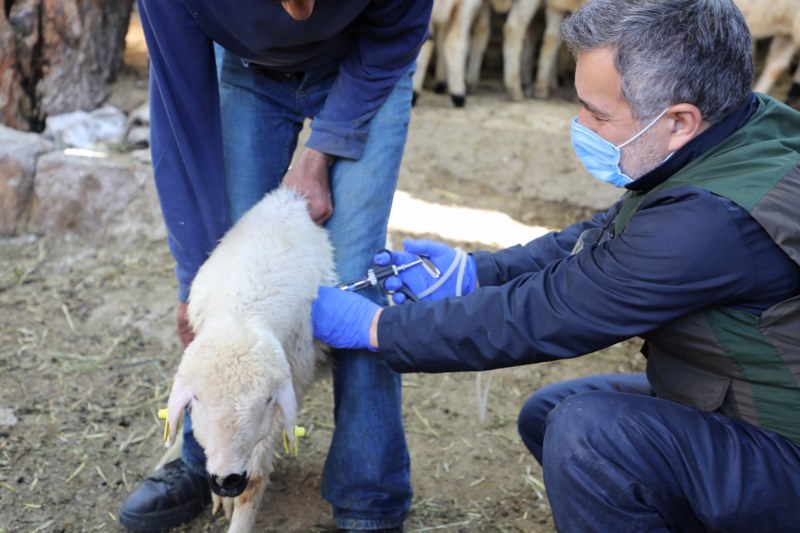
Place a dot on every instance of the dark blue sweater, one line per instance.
(684, 250)
(374, 42)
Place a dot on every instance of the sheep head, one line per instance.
(232, 385)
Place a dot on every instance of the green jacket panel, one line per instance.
(742, 365)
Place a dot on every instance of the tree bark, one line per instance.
(58, 56)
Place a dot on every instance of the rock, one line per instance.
(80, 129)
(92, 193)
(19, 152)
(140, 116)
(7, 417)
(137, 129)
(137, 138)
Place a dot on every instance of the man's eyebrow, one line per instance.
(593, 110)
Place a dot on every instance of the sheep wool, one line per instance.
(253, 353)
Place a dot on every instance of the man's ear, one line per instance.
(179, 398)
(686, 123)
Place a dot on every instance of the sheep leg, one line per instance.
(245, 506)
(440, 74)
(423, 59)
(480, 40)
(533, 36)
(781, 51)
(225, 503)
(514, 31)
(456, 44)
(548, 57)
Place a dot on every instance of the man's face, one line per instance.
(607, 113)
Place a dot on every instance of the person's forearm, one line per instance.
(496, 268)
(388, 36)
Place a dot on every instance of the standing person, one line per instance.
(700, 257)
(347, 66)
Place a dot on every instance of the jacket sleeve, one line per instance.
(681, 253)
(386, 44)
(186, 139)
(503, 266)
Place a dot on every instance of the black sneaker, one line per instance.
(173, 495)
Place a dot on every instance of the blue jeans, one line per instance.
(366, 477)
(616, 458)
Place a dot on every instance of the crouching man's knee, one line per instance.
(600, 464)
(531, 424)
(576, 433)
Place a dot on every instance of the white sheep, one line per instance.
(253, 354)
(460, 35)
(460, 31)
(779, 19)
(517, 44)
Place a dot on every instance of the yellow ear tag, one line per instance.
(162, 414)
(299, 431)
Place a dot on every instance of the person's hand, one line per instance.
(309, 177)
(458, 275)
(185, 333)
(344, 319)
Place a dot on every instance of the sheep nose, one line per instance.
(230, 486)
(232, 481)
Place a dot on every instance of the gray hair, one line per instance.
(670, 51)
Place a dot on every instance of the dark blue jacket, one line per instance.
(684, 250)
(374, 42)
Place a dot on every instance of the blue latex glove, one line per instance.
(342, 318)
(450, 262)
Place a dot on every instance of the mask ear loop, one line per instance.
(641, 132)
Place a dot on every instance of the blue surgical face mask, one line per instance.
(600, 157)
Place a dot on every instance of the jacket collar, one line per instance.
(715, 134)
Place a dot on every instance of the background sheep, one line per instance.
(460, 32)
(779, 19)
(519, 43)
(253, 353)
(459, 35)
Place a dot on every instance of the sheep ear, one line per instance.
(288, 405)
(179, 398)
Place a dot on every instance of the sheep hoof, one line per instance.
(516, 96)
(440, 87)
(458, 100)
(414, 97)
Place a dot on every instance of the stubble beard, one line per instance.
(642, 155)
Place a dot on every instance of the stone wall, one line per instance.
(47, 189)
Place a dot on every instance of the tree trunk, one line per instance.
(58, 56)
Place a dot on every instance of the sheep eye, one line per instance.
(269, 400)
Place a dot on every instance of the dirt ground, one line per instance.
(87, 345)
